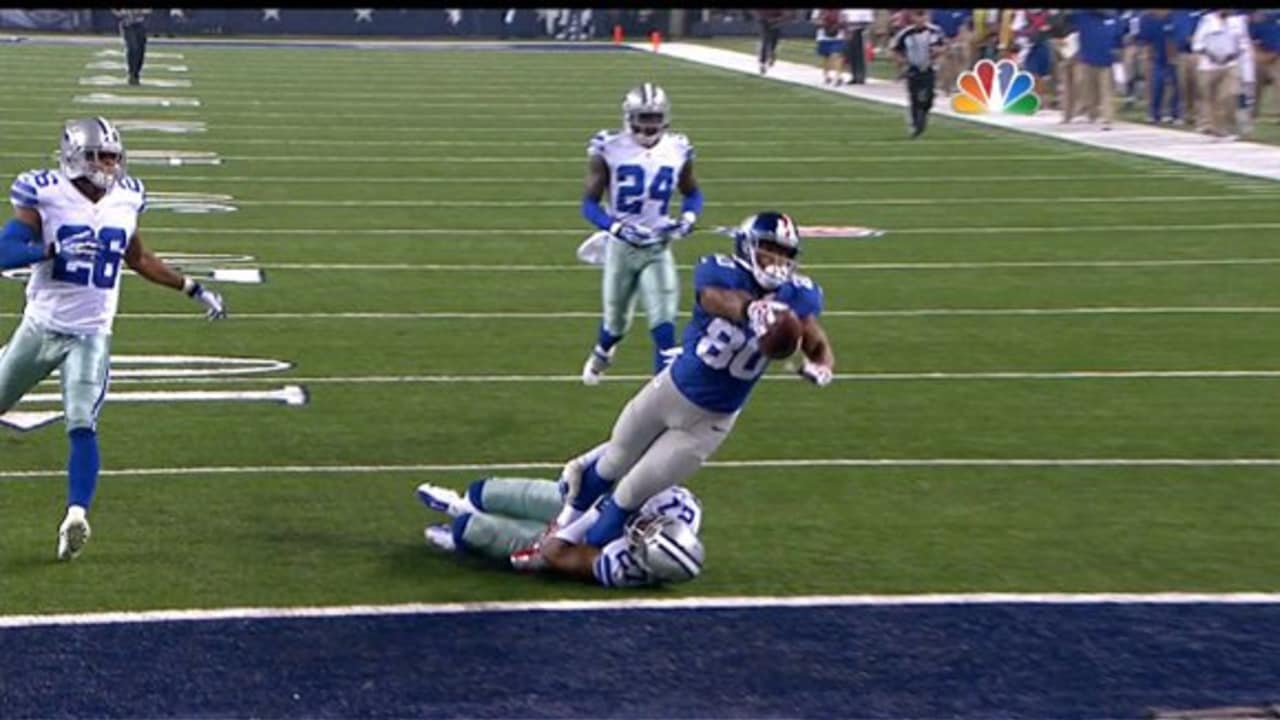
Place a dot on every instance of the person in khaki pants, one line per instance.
(1220, 45)
(1187, 63)
(1098, 32)
(1265, 29)
(1065, 44)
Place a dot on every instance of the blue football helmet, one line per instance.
(781, 235)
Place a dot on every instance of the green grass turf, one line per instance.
(454, 157)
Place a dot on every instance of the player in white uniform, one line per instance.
(498, 515)
(75, 225)
(641, 166)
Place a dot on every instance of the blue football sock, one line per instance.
(606, 340)
(609, 526)
(664, 338)
(459, 528)
(82, 467)
(593, 486)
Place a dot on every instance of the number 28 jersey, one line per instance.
(78, 297)
(721, 362)
(641, 179)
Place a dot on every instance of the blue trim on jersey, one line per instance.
(595, 214)
(20, 186)
(19, 245)
(23, 200)
(692, 202)
(604, 570)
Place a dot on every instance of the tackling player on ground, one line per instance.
(674, 424)
(640, 166)
(75, 225)
(498, 515)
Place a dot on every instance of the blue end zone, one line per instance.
(964, 661)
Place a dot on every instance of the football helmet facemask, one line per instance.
(767, 244)
(646, 114)
(92, 149)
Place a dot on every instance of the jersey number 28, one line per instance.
(726, 346)
(105, 270)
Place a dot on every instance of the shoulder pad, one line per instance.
(597, 143)
(26, 187)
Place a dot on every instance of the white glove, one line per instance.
(81, 247)
(630, 232)
(762, 313)
(212, 301)
(816, 373)
(679, 229)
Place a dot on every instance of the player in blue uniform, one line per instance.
(675, 423)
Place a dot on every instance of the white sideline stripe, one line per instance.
(687, 603)
(577, 179)
(789, 202)
(578, 231)
(808, 266)
(556, 465)
(459, 379)
(921, 312)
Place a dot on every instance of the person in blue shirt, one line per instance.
(1184, 24)
(1099, 32)
(1264, 29)
(678, 420)
(1155, 31)
(957, 27)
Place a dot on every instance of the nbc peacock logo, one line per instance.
(995, 87)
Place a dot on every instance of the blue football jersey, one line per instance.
(721, 362)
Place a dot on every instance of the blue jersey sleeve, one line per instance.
(803, 295)
(717, 271)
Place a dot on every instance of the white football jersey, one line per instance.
(642, 180)
(78, 298)
(617, 565)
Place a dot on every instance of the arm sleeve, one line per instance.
(19, 245)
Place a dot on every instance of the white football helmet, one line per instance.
(85, 148)
(667, 548)
(646, 114)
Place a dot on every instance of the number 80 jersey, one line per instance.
(641, 180)
(721, 362)
(78, 298)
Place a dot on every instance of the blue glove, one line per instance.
(630, 232)
(81, 247)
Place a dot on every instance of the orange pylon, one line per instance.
(655, 37)
(617, 34)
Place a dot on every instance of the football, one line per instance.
(783, 337)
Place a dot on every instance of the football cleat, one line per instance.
(597, 362)
(73, 533)
(439, 498)
(441, 537)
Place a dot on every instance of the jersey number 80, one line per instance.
(725, 345)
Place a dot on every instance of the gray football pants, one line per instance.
(34, 352)
(659, 440)
(630, 272)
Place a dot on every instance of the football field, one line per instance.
(1056, 370)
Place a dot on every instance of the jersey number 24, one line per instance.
(632, 191)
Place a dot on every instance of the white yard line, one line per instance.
(329, 159)
(581, 232)
(785, 202)
(927, 266)
(576, 179)
(666, 604)
(565, 314)
(556, 465)
(485, 379)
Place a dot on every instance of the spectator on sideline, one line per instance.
(1131, 57)
(771, 22)
(1156, 34)
(133, 27)
(956, 26)
(1066, 49)
(856, 22)
(1265, 30)
(1032, 27)
(1188, 64)
(1220, 45)
(830, 40)
(1246, 71)
(1098, 31)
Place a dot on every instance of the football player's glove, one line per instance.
(816, 373)
(762, 313)
(679, 229)
(630, 233)
(81, 247)
(212, 301)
